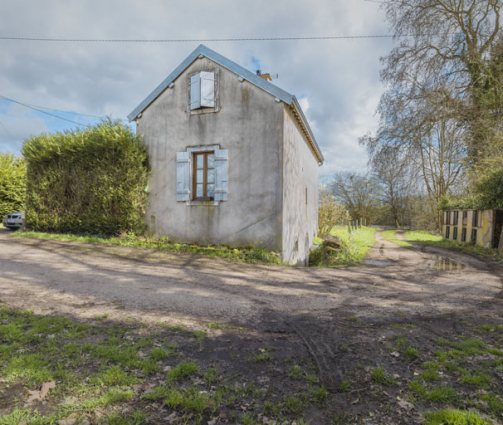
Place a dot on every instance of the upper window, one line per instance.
(204, 176)
(202, 91)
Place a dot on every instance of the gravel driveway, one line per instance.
(86, 280)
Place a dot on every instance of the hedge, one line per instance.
(87, 181)
(12, 184)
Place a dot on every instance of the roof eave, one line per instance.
(313, 144)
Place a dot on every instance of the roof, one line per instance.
(203, 51)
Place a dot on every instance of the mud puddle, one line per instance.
(439, 262)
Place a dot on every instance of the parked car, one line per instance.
(14, 221)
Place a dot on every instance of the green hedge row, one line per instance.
(12, 184)
(87, 181)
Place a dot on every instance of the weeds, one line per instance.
(183, 370)
(380, 376)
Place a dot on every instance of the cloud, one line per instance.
(16, 125)
(337, 81)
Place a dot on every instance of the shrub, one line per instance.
(12, 184)
(87, 181)
(330, 213)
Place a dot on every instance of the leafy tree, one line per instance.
(12, 184)
(330, 213)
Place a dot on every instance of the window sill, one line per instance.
(203, 203)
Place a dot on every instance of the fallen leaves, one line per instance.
(40, 395)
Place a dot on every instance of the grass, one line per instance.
(97, 367)
(354, 248)
(437, 240)
(247, 254)
(428, 393)
(390, 235)
(454, 417)
(183, 370)
(380, 376)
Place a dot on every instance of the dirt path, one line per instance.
(310, 304)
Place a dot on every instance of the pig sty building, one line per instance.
(479, 227)
(233, 159)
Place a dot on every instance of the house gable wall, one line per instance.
(249, 124)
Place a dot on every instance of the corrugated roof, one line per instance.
(203, 51)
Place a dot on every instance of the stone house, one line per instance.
(479, 227)
(233, 159)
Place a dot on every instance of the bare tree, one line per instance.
(392, 172)
(426, 131)
(356, 192)
(449, 42)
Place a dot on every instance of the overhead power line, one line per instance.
(42, 111)
(196, 40)
(64, 112)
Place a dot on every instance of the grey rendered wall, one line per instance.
(250, 125)
(300, 176)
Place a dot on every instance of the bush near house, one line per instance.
(87, 181)
(12, 184)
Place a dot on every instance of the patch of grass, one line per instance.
(156, 394)
(429, 375)
(126, 356)
(189, 400)
(411, 353)
(437, 240)
(495, 403)
(211, 376)
(454, 417)
(248, 254)
(345, 386)
(390, 235)
(478, 379)
(293, 404)
(183, 370)
(432, 394)
(115, 375)
(158, 353)
(264, 356)
(149, 367)
(213, 325)
(138, 417)
(319, 394)
(354, 248)
(200, 336)
(296, 372)
(380, 376)
(33, 367)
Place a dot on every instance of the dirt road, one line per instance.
(90, 280)
(343, 319)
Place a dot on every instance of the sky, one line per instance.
(336, 81)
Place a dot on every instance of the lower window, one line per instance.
(447, 232)
(204, 176)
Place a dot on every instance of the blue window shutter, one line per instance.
(207, 89)
(221, 172)
(182, 176)
(195, 91)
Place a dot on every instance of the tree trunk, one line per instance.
(500, 247)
